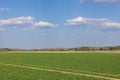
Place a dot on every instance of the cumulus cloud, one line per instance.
(5, 9)
(17, 21)
(43, 24)
(106, 1)
(93, 22)
(24, 23)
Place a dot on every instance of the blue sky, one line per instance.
(59, 23)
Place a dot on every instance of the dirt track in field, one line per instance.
(60, 71)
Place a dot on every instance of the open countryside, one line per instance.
(59, 39)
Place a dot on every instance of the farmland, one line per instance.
(62, 66)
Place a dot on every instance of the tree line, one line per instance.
(86, 48)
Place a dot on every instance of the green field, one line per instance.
(59, 66)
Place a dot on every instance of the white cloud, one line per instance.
(106, 1)
(24, 23)
(76, 21)
(17, 21)
(93, 22)
(5, 9)
(41, 23)
(112, 24)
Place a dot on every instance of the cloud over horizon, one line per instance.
(93, 22)
(29, 23)
(24, 23)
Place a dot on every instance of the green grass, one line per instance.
(102, 64)
(13, 73)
